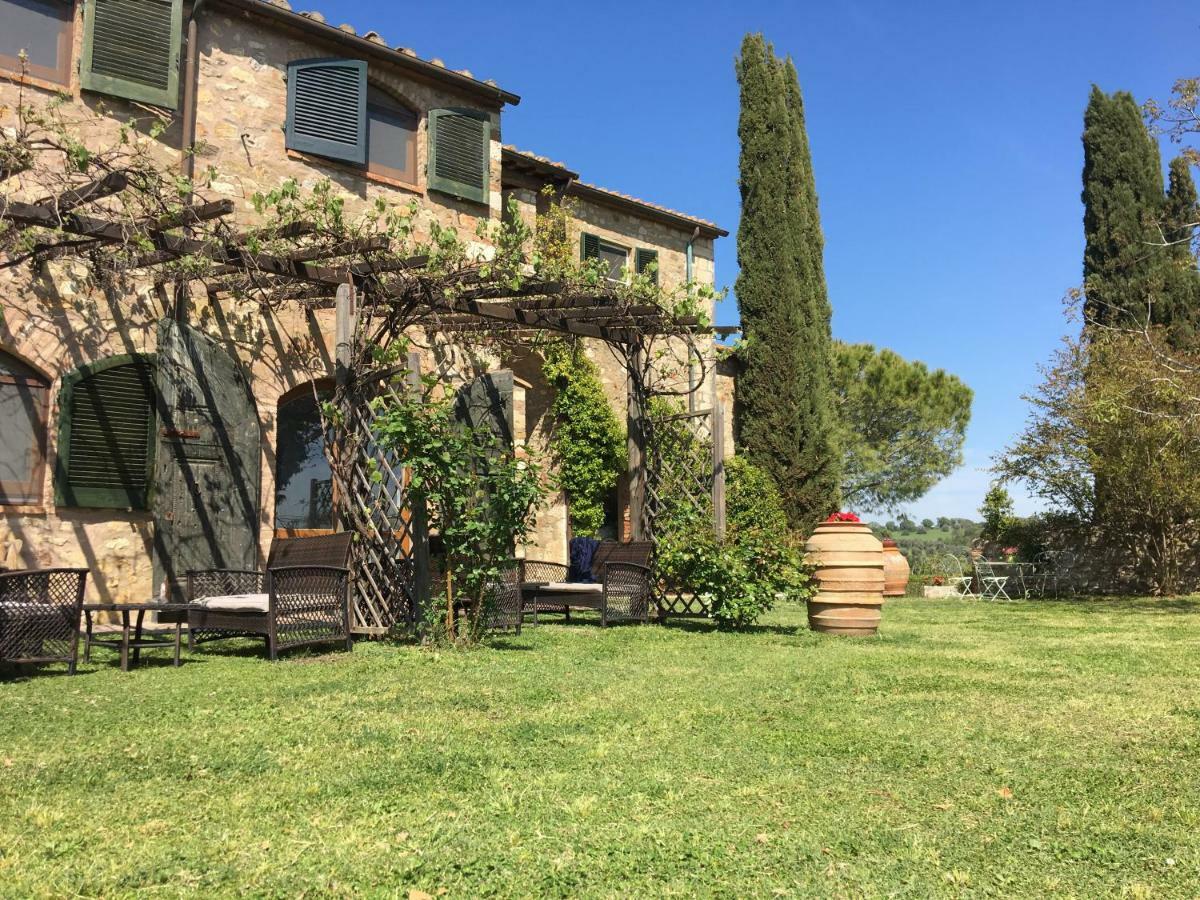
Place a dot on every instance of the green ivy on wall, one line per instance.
(588, 440)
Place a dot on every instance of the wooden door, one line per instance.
(206, 491)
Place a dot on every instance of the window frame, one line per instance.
(46, 76)
(35, 487)
(382, 172)
(302, 391)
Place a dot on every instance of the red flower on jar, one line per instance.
(843, 517)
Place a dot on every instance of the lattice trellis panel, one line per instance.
(383, 567)
(679, 484)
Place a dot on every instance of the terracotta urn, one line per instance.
(848, 560)
(895, 570)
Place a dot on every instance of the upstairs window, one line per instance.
(131, 49)
(42, 28)
(106, 434)
(391, 138)
(24, 397)
(614, 256)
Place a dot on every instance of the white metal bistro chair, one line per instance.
(952, 566)
(991, 585)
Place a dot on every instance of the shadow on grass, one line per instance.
(1139, 605)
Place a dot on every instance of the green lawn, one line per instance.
(973, 749)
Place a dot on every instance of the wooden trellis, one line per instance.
(384, 558)
(683, 469)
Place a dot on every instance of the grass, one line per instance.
(972, 749)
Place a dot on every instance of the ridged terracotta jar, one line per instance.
(895, 570)
(848, 560)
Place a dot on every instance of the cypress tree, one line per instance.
(1123, 200)
(1181, 304)
(785, 405)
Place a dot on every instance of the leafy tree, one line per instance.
(588, 441)
(482, 499)
(786, 420)
(902, 426)
(1105, 414)
(997, 512)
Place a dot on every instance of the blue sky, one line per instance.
(945, 140)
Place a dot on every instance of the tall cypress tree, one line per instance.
(1181, 313)
(785, 403)
(1123, 202)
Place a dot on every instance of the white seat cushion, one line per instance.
(237, 603)
(572, 587)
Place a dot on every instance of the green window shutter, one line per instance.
(643, 258)
(106, 434)
(327, 108)
(131, 49)
(460, 153)
(589, 246)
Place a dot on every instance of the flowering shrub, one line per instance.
(843, 517)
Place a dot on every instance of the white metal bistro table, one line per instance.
(1018, 574)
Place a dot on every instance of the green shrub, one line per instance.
(760, 562)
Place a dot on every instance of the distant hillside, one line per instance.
(922, 542)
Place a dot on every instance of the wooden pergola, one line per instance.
(378, 294)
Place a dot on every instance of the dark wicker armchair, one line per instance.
(40, 611)
(627, 598)
(628, 592)
(301, 599)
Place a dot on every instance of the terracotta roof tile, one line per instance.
(375, 38)
(617, 194)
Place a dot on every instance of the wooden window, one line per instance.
(24, 399)
(106, 434)
(459, 153)
(615, 257)
(327, 108)
(391, 138)
(644, 259)
(42, 28)
(303, 479)
(131, 49)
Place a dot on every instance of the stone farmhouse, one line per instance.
(263, 94)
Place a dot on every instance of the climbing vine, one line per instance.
(588, 440)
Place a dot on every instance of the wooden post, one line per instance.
(342, 337)
(344, 333)
(422, 586)
(636, 448)
(718, 461)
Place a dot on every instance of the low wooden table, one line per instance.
(137, 642)
(561, 597)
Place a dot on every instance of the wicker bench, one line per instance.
(40, 611)
(622, 590)
(301, 599)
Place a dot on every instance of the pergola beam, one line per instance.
(112, 183)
